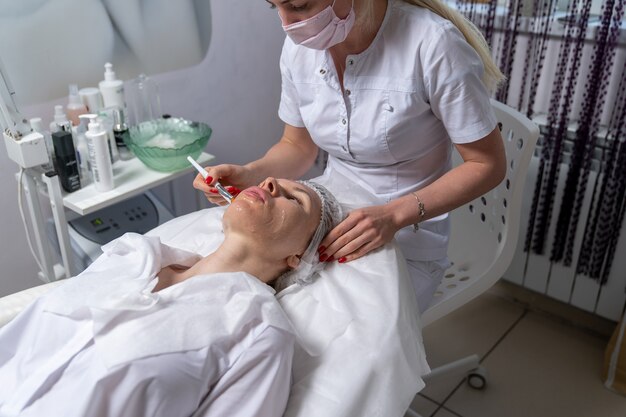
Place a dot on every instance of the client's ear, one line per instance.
(293, 261)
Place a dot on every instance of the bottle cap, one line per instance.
(119, 119)
(109, 74)
(60, 118)
(63, 144)
(59, 114)
(94, 125)
(83, 123)
(74, 98)
(91, 98)
(36, 124)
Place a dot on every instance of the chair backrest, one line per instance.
(485, 231)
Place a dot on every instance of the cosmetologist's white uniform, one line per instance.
(104, 345)
(411, 94)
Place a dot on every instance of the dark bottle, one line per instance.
(121, 134)
(65, 159)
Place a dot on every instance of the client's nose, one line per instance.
(271, 185)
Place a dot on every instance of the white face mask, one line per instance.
(322, 31)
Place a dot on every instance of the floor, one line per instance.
(540, 363)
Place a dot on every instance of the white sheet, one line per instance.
(210, 339)
(360, 348)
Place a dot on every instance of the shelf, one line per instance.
(131, 178)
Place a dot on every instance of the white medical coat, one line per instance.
(411, 94)
(104, 345)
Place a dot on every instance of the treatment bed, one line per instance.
(359, 350)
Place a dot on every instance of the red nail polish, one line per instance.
(321, 249)
(332, 258)
(208, 180)
(342, 259)
(213, 190)
(323, 257)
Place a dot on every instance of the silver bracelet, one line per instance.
(422, 212)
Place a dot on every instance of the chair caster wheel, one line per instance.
(477, 378)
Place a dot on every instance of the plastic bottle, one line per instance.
(66, 163)
(112, 89)
(60, 119)
(75, 106)
(82, 150)
(101, 165)
(91, 98)
(120, 131)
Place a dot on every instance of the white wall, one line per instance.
(235, 90)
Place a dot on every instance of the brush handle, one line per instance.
(201, 170)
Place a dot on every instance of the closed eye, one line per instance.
(292, 197)
(299, 8)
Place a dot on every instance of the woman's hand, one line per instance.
(363, 230)
(234, 178)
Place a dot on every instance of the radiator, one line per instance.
(537, 273)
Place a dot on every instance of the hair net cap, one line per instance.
(331, 215)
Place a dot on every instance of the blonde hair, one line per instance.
(492, 75)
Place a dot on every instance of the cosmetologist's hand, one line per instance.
(362, 231)
(234, 178)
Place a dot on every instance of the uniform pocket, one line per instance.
(309, 102)
(404, 113)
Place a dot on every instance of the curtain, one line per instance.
(566, 69)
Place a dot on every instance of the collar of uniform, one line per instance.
(324, 69)
(357, 58)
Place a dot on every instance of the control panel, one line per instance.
(137, 214)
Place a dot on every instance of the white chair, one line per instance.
(484, 235)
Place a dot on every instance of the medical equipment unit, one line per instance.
(88, 233)
(75, 156)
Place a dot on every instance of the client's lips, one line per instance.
(256, 192)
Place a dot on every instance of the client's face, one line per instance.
(281, 215)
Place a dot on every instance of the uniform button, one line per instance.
(350, 61)
(348, 92)
(322, 71)
(343, 121)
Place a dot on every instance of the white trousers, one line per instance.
(426, 277)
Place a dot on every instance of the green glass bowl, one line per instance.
(164, 144)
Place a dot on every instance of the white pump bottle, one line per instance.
(101, 165)
(112, 89)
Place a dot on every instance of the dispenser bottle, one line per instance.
(75, 106)
(101, 165)
(60, 119)
(66, 163)
(82, 150)
(112, 89)
(121, 134)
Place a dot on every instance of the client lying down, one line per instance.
(150, 330)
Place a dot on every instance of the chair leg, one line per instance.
(411, 413)
(462, 365)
